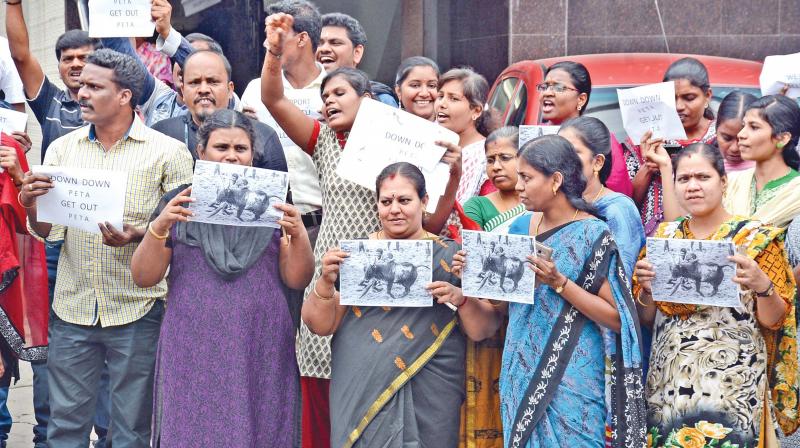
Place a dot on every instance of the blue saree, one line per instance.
(623, 219)
(566, 381)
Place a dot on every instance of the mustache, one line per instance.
(84, 103)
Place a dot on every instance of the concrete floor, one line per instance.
(20, 403)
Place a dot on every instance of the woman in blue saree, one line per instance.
(571, 372)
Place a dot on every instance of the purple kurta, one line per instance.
(227, 373)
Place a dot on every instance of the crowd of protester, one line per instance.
(174, 333)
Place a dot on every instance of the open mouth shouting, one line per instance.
(332, 113)
(548, 106)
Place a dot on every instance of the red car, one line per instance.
(514, 92)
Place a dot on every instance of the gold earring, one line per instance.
(596, 173)
(555, 191)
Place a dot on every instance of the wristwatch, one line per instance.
(768, 292)
(560, 289)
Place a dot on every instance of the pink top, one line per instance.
(618, 180)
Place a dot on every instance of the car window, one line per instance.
(516, 113)
(502, 94)
(604, 105)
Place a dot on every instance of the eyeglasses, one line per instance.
(557, 87)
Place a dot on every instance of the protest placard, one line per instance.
(778, 72)
(694, 272)
(191, 7)
(382, 135)
(82, 197)
(529, 132)
(650, 108)
(497, 266)
(237, 195)
(120, 18)
(386, 273)
(11, 120)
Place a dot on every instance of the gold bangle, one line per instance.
(155, 235)
(19, 199)
(321, 297)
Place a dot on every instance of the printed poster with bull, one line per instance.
(696, 272)
(497, 267)
(390, 273)
(237, 195)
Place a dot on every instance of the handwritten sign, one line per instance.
(694, 272)
(780, 71)
(530, 132)
(237, 195)
(120, 18)
(382, 135)
(650, 108)
(11, 120)
(191, 7)
(82, 197)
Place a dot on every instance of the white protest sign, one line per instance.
(82, 197)
(191, 7)
(11, 120)
(382, 135)
(781, 71)
(650, 108)
(120, 18)
(529, 132)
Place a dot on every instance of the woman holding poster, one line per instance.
(555, 379)
(649, 162)
(350, 210)
(721, 375)
(226, 355)
(769, 192)
(397, 374)
(482, 426)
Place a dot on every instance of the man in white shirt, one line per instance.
(302, 77)
(10, 83)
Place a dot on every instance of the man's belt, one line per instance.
(312, 219)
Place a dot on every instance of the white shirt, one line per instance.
(303, 177)
(10, 83)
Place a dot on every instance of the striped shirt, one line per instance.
(56, 112)
(94, 283)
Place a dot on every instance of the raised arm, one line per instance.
(170, 42)
(30, 72)
(290, 118)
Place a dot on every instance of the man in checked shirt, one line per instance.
(100, 315)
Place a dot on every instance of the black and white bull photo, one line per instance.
(693, 271)
(386, 273)
(237, 195)
(497, 266)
